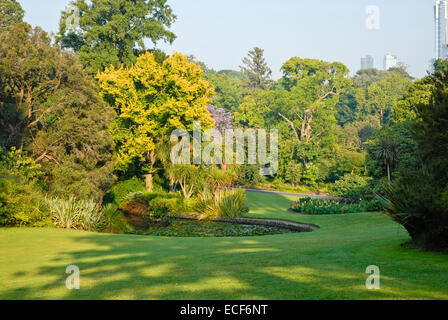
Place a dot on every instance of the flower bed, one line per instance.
(321, 207)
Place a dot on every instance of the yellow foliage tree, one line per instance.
(152, 100)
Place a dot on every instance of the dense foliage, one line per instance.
(94, 152)
(417, 199)
(329, 206)
(113, 32)
(152, 100)
(204, 229)
(11, 12)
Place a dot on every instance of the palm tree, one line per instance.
(388, 152)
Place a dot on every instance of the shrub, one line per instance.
(122, 189)
(91, 216)
(353, 186)
(76, 214)
(65, 213)
(249, 175)
(21, 204)
(324, 207)
(225, 203)
(374, 205)
(420, 208)
(153, 205)
(114, 220)
(232, 203)
(161, 207)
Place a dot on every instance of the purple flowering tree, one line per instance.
(222, 118)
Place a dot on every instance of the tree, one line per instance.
(151, 101)
(430, 128)
(418, 199)
(294, 172)
(388, 153)
(11, 12)
(380, 97)
(28, 66)
(188, 177)
(51, 108)
(304, 103)
(257, 69)
(112, 32)
(229, 91)
(420, 92)
(404, 147)
(222, 118)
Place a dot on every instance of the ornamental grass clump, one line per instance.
(76, 214)
(224, 203)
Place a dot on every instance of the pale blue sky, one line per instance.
(220, 33)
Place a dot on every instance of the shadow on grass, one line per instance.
(269, 267)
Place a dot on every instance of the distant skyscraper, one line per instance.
(367, 62)
(441, 21)
(390, 61)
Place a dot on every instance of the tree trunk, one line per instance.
(381, 116)
(148, 179)
(388, 173)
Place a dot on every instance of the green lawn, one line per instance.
(326, 264)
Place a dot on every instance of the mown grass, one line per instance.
(326, 264)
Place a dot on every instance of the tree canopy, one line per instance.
(51, 108)
(256, 69)
(151, 101)
(11, 12)
(112, 32)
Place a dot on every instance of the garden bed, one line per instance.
(310, 206)
(190, 226)
(202, 229)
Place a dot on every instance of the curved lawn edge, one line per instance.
(275, 223)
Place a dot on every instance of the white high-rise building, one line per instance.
(390, 61)
(441, 22)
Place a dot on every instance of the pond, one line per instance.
(194, 228)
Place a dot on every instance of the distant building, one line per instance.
(441, 22)
(390, 61)
(367, 62)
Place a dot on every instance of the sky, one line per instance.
(220, 33)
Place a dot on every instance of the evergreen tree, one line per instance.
(257, 69)
(51, 108)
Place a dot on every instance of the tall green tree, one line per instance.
(257, 70)
(392, 150)
(420, 92)
(388, 153)
(229, 91)
(302, 108)
(51, 108)
(380, 97)
(112, 32)
(11, 12)
(418, 199)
